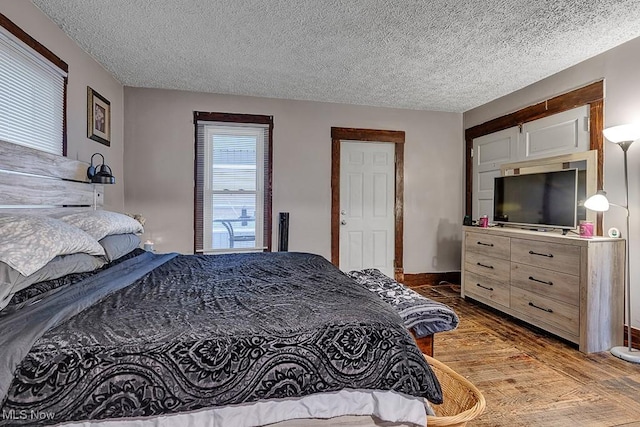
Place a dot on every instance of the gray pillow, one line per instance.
(29, 242)
(118, 245)
(11, 281)
(100, 224)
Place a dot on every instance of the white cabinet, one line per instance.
(569, 286)
(562, 133)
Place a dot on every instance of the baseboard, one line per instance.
(421, 279)
(635, 337)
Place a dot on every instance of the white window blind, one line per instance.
(232, 173)
(32, 94)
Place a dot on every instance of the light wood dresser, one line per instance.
(569, 286)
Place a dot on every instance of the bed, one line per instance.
(169, 339)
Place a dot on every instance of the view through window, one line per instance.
(232, 170)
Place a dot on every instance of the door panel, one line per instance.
(380, 199)
(562, 133)
(356, 250)
(354, 203)
(380, 243)
(367, 196)
(490, 151)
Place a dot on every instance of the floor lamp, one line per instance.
(624, 136)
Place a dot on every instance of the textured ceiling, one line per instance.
(444, 55)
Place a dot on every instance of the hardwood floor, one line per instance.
(531, 378)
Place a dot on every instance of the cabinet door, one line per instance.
(489, 153)
(562, 133)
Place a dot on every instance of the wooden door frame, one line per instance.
(368, 135)
(591, 95)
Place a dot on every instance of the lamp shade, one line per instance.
(598, 202)
(103, 176)
(100, 174)
(622, 133)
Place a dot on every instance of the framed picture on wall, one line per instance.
(98, 117)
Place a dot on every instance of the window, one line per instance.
(233, 182)
(33, 84)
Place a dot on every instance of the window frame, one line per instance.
(200, 174)
(48, 55)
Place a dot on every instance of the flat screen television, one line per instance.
(540, 200)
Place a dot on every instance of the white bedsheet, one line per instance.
(384, 405)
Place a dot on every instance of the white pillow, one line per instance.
(100, 224)
(118, 245)
(29, 242)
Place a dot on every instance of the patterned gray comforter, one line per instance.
(206, 331)
(420, 314)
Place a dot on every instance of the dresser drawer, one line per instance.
(552, 256)
(538, 308)
(481, 286)
(549, 283)
(487, 244)
(490, 267)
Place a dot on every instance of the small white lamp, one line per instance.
(598, 202)
(624, 136)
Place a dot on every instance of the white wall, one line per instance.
(619, 67)
(159, 150)
(83, 72)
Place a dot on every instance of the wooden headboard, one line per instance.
(40, 182)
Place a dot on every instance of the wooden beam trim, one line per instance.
(592, 95)
(32, 43)
(596, 141)
(576, 98)
(268, 188)
(233, 118)
(371, 135)
(335, 202)
(469, 175)
(399, 213)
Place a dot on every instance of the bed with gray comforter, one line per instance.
(159, 334)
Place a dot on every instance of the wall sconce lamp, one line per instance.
(624, 136)
(101, 173)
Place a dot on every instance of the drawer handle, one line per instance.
(548, 310)
(485, 265)
(484, 287)
(550, 283)
(486, 244)
(539, 254)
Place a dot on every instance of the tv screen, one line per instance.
(547, 199)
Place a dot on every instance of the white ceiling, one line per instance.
(444, 55)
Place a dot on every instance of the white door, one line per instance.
(562, 133)
(489, 152)
(367, 199)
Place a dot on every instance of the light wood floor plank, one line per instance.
(532, 378)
